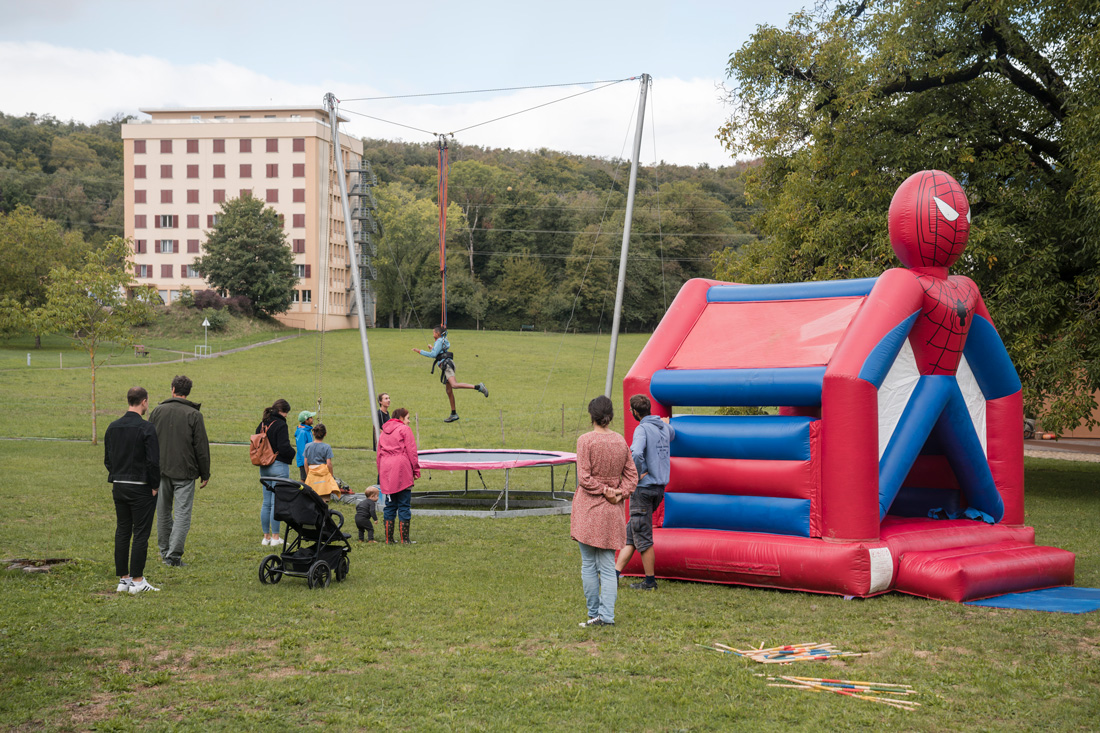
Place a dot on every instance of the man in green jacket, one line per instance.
(184, 457)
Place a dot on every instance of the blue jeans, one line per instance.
(399, 504)
(601, 588)
(278, 469)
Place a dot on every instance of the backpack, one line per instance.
(259, 448)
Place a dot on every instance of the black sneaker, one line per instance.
(175, 563)
(644, 585)
(452, 418)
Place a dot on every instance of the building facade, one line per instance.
(182, 164)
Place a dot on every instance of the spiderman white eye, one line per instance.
(968, 216)
(945, 209)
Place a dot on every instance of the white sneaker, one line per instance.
(141, 587)
(265, 542)
(276, 542)
(123, 585)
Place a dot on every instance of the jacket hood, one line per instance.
(393, 426)
(183, 401)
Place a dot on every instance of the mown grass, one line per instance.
(475, 627)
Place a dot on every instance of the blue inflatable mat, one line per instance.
(1066, 599)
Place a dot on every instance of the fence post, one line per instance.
(563, 419)
(502, 427)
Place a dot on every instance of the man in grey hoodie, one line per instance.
(651, 451)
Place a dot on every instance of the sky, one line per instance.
(89, 60)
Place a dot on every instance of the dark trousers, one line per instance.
(365, 525)
(302, 473)
(399, 504)
(135, 507)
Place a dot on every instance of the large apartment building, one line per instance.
(182, 164)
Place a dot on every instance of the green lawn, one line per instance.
(475, 627)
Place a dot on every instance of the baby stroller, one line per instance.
(308, 520)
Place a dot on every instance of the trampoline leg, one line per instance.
(506, 472)
(552, 482)
(467, 489)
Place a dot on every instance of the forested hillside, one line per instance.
(534, 237)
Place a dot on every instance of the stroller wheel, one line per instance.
(271, 569)
(320, 575)
(342, 569)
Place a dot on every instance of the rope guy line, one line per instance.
(486, 91)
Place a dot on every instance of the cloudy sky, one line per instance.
(92, 59)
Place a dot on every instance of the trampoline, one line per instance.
(495, 459)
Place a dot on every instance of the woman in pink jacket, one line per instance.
(398, 467)
(606, 475)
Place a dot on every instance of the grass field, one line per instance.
(475, 627)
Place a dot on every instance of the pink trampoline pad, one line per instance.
(475, 459)
(762, 334)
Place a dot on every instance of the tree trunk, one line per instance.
(38, 341)
(391, 319)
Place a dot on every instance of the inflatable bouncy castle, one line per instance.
(895, 461)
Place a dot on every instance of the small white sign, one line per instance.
(205, 323)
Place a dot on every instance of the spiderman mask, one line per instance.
(929, 220)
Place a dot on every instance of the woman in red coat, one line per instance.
(606, 475)
(398, 468)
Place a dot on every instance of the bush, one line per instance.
(187, 298)
(219, 320)
(205, 299)
(240, 305)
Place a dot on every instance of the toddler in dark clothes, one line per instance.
(365, 512)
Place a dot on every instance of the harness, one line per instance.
(443, 360)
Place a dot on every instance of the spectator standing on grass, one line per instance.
(318, 458)
(273, 423)
(303, 436)
(606, 475)
(383, 417)
(398, 469)
(184, 457)
(132, 457)
(651, 450)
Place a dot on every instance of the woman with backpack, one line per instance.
(273, 427)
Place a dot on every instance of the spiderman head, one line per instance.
(929, 220)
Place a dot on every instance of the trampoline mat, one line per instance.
(460, 459)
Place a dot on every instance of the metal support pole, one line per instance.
(621, 285)
(330, 102)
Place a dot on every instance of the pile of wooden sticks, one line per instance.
(786, 654)
(886, 693)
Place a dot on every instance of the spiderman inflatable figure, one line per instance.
(929, 226)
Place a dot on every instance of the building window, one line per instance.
(246, 145)
(139, 246)
(166, 271)
(307, 296)
(298, 246)
(272, 170)
(299, 145)
(192, 221)
(299, 220)
(164, 246)
(139, 221)
(269, 117)
(166, 221)
(295, 117)
(294, 296)
(192, 195)
(193, 171)
(212, 220)
(219, 146)
(166, 171)
(300, 271)
(166, 196)
(272, 196)
(299, 170)
(246, 170)
(143, 270)
(273, 145)
(189, 270)
(196, 118)
(139, 197)
(139, 147)
(166, 146)
(192, 245)
(219, 170)
(219, 195)
(139, 171)
(192, 146)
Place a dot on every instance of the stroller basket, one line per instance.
(315, 547)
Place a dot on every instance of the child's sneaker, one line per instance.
(482, 389)
(452, 418)
(141, 587)
(124, 585)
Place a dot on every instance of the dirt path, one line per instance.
(185, 356)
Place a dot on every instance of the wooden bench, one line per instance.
(140, 350)
(525, 327)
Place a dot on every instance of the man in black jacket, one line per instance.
(132, 457)
(184, 457)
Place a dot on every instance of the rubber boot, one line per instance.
(405, 533)
(389, 531)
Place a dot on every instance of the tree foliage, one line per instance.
(97, 303)
(844, 104)
(247, 254)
